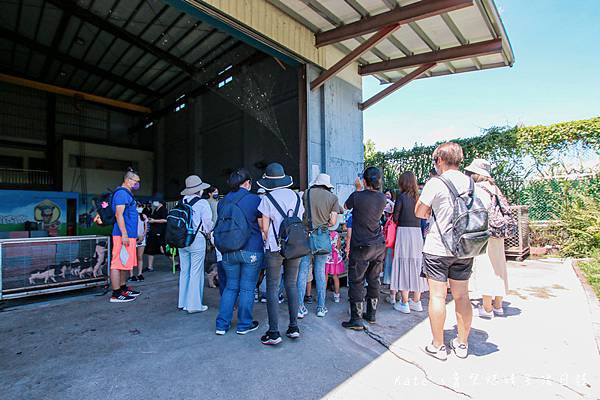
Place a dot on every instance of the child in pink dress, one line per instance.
(335, 265)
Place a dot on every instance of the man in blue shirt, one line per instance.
(124, 237)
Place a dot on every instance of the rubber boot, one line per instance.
(371, 310)
(356, 322)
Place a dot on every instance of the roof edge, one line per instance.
(492, 11)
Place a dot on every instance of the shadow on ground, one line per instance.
(80, 346)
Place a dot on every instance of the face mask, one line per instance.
(139, 210)
(216, 196)
(135, 186)
(155, 204)
(437, 170)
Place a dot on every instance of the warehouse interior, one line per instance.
(91, 87)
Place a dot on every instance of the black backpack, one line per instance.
(468, 233)
(232, 230)
(180, 231)
(105, 210)
(292, 236)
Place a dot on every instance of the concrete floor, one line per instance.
(83, 347)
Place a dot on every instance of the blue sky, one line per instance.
(556, 77)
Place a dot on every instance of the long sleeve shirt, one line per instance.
(202, 215)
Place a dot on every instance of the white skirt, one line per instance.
(408, 261)
(490, 277)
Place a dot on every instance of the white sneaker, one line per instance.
(302, 312)
(415, 305)
(390, 299)
(460, 349)
(499, 312)
(219, 332)
(402, 307)
(440, 353)
(336, 297)
(202, 309)
(485, 314)
(321, 312)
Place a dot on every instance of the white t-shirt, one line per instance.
(202, 214)
(437, 196)
(287, 199)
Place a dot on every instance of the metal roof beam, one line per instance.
(353, 55)
(73, 8)
(73, 93)
(67, 59)
(204, 66)
(161, 35)
(131, 45)
(355, 5)
(35, 35)
(17, 27)
(458, 35)
(396, 85)
(58, 36)
(173, 45)
(453, 53)
(404, 15)
(110, 45)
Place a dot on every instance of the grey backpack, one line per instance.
(468, 233)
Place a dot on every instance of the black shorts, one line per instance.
(154, 245)
(442, 268)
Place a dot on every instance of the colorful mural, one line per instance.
(46, 213)
(45, 210)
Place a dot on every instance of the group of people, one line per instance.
(398, 236)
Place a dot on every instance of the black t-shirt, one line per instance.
(367, 207)
(158, 229)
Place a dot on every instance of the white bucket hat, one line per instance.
(322, 180)
(193, 184)
(480, 166)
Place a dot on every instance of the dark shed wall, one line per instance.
(251, 121)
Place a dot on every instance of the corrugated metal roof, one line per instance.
(478, 23)
(122, 49)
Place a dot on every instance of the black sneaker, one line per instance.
(293, 332)
(271, 338)
(121, 298)
(140, 277)
(308, 299)
(281, 299)
(252, 327)
(129, 291)
(132, 279)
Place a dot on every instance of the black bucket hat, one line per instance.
(275, 178)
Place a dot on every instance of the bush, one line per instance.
(591, 271)
(548, 235)
(580, 219)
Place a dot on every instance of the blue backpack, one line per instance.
(232, 230)
(180, 231)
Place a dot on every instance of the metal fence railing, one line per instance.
(9, 176)
(31, 266)
(546, 198)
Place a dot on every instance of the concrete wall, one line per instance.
(98, 180)
(335, 132)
